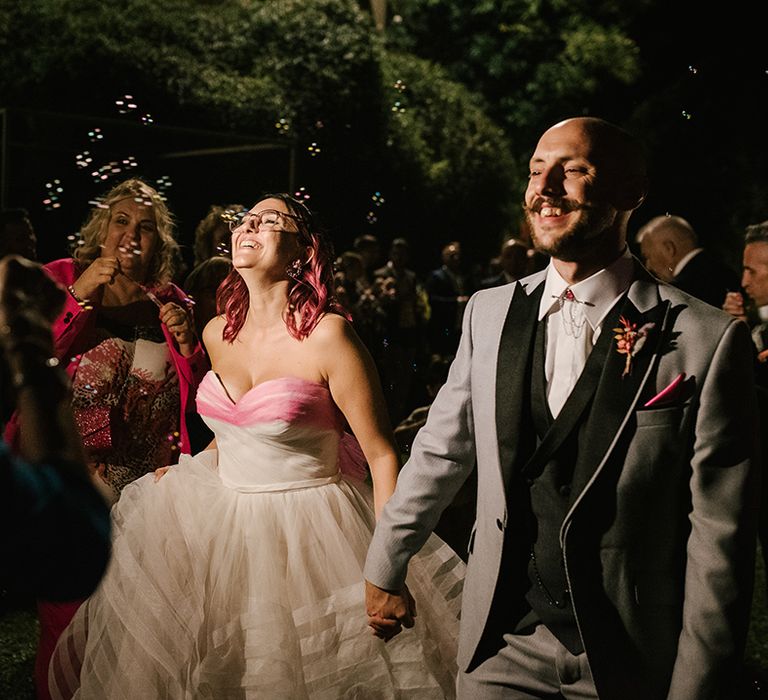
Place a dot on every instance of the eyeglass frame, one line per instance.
(248, 216)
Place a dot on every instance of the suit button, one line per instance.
(499, 524)
(68, 317)
(565, 490)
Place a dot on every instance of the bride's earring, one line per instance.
(295, 269)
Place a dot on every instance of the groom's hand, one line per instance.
(388, 611)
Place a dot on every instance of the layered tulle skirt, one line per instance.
(216, 593)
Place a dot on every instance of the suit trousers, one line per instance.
(530, 666)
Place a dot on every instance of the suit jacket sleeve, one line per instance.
(724, 503)
(442, 458)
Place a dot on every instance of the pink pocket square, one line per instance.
(669, 393)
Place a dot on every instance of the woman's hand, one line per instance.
(159, 473)
(100, 272)
(179, 323)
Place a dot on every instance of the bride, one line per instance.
(238, 572)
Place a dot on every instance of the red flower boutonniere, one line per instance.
(630, 340)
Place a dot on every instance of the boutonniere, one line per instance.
(630, 340)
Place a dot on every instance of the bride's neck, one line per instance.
(267, 303)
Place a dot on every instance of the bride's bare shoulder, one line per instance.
(213, 334)
(329, 329)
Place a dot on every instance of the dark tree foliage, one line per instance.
(312, 75)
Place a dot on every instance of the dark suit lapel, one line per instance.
(602, 380)
(616, 394)
(512, 383)
(579, 398)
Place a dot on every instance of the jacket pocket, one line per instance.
(670, 415)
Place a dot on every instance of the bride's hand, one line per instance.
(159, 473)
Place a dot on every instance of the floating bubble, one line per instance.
(283, 125)
(314, 149)
(686, 115)
(399, 86)
(378, 200)
(397, 19)
(301, 194)
(95, 135)
(52, 198)
(105, 171)
(231, 215)
(83, 160)
(126, 104)
(319, 124)
(371, 218)
(398, 107)
(175, 439)
(146, 119)
(693, 70)
(164, 182)
(221, 249)
(98, 204)
(130, 162)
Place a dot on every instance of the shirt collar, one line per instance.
(600, 290)
(762, 312)
(684, 261)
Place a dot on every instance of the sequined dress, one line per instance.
(239, 573)
(125, 399)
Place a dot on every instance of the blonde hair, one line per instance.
(94, 230)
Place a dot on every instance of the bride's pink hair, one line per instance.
(309, 297)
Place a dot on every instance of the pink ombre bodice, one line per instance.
(281, 435)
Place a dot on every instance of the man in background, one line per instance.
(17, 237)
(672, 253)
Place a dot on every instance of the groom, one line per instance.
(612, 421)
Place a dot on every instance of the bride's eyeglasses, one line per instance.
(268, 219)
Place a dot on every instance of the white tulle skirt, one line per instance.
(214, 593)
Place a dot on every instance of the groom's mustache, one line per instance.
(565, 204)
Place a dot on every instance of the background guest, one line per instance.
(47, 500)
(404, 301)
(513, 260)
(671, 251)
(448, 289)
(17, 236)
(754, 280)
(212, 233)
(134, 366)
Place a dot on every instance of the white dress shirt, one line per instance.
(574, 326)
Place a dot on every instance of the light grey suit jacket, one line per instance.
(658, 543)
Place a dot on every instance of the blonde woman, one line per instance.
(128, 342)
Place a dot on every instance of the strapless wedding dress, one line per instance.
(239, 573)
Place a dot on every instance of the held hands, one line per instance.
(388, 612)
(179, 323)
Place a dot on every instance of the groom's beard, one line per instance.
(593, 226)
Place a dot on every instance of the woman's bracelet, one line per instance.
(82, 303)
